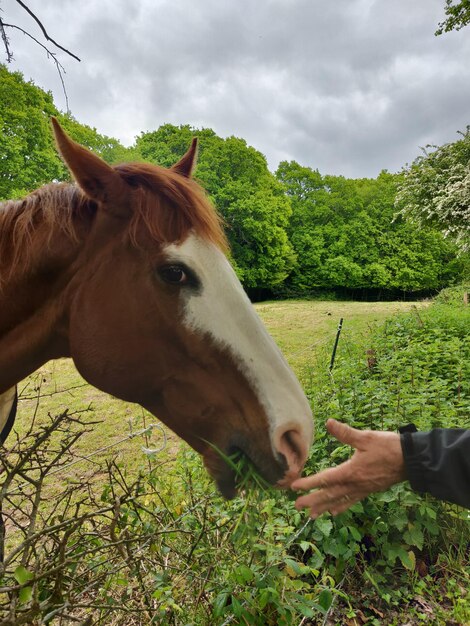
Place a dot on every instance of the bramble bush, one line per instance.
(166, 549)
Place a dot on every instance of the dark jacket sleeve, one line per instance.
(438, 462)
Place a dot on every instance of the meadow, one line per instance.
(154, 543)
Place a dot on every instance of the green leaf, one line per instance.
(25, 595)
(243, 574)
(355, 534)
(22, 575)
(414, 537)
(399, 552)
(325, 599)
(324, 525)
(294, 568)
(219, 604)
(236, 607)
(316, 560)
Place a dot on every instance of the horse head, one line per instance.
(156, 315)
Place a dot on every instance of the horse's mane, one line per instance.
(51, 208)
(169, 205)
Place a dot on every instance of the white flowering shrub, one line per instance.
(435, 190)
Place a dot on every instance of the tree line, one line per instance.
(293, 232)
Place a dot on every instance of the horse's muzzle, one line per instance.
(272, 469)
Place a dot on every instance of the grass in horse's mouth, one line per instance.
(246, 474)
(242, 475)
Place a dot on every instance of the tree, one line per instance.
(458, 16)
(28, 157)
(435, 190)
(344, 236)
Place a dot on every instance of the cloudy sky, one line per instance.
(346, 86)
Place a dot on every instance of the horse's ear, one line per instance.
(187, 164)
(98, 180)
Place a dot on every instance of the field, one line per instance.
(396, 559)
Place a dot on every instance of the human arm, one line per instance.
(438, 462)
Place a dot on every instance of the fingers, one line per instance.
(335, 500)
(344, 433)
(329, 477)
(339, 474)
(337, 487)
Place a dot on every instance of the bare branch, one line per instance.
(6, 42)
(44, 32)
(59, 66)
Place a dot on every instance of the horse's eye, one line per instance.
(173, 274)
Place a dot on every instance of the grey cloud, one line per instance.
(350, 87)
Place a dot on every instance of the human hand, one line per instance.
(376, 464)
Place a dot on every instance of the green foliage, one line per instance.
(344, 236)
(458, 16)
(435, 190)
(28, 157)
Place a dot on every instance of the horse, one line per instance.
(126, 271)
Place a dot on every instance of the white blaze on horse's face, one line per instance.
(222, 310)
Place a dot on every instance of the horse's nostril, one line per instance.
(291, 445)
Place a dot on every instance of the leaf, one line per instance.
(304, 609)
(294, 568)
(399, 552)
(236, 607)
(355, 534)
(243, 574)
(325, 599)
(371, 579)
(324, 525)
(414, 537)
(316, 560)
(412, 558)
(219, 604)
(25, 595)
(22, 575)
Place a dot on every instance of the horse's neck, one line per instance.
(32, 308)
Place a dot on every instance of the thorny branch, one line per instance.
(64, 541)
